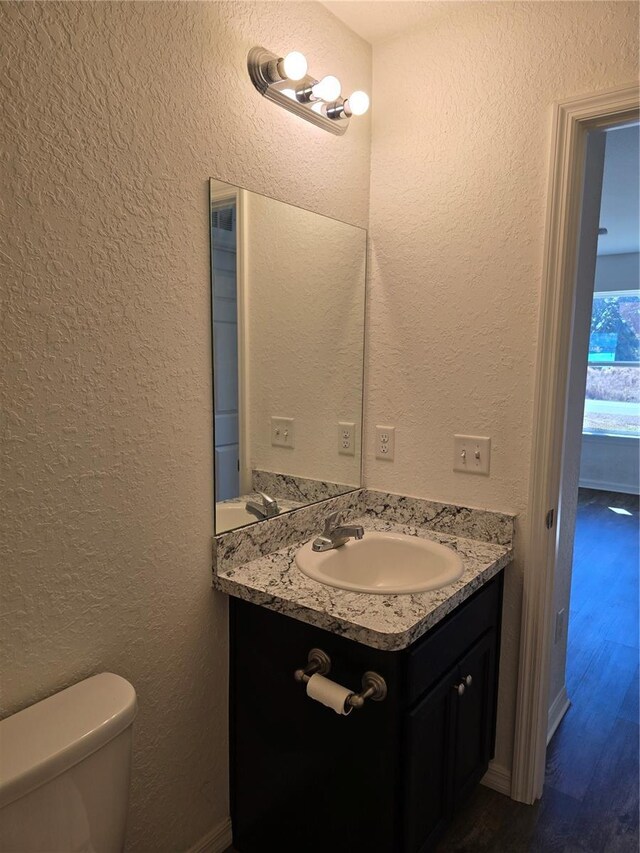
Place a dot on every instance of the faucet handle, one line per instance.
(331, 521)
(266, 499)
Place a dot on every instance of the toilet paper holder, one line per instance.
(319, 663)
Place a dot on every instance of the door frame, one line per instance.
(572, 120)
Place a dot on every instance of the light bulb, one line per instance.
(328, 89)
(294, 65)
(358, 103)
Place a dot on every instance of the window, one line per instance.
(612, 400)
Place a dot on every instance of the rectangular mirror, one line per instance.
(288, 296)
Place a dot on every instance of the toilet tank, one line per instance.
(64, 770)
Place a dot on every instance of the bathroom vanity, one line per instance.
(388, 776)
(396, 611)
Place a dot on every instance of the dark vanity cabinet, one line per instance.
(388, 777)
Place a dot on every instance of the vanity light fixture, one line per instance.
(285, 81)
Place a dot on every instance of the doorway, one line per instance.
(579, 124)
(601, 443)
(224, 268)
(592, 758)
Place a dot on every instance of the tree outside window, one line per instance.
(612, 400)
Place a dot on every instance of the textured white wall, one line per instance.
(461, 141)
(305, 296)
(113, 118)
(618, 272)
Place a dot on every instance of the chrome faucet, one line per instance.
(265, 508)
(336, 534)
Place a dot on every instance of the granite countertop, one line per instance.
(390, 622)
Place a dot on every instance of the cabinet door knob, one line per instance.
(459, 688)
(468, 681)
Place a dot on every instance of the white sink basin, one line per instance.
(232, 515)
(383, 563)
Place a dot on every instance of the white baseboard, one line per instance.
(498, 778)
(558, 709)
(215, 841)
(608, 486)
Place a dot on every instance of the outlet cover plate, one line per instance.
(346, 438)
(283, 432)
(385, 442)
(472, 454)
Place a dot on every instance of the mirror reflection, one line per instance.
(288, 292)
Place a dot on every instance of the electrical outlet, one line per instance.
(283, 432)
(471, 454)
(346, 438)
(385, 442)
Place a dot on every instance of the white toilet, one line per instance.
(64, 770)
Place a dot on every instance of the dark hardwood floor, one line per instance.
(590, 800)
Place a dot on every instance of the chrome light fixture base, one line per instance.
(261, 63)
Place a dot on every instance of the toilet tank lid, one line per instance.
(51, 736)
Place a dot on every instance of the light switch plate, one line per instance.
(346, 438)
(283, 432)
(471, 454)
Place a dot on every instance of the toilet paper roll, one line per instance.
(329, 693)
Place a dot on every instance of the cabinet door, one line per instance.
(474, 715)
(428, 751)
